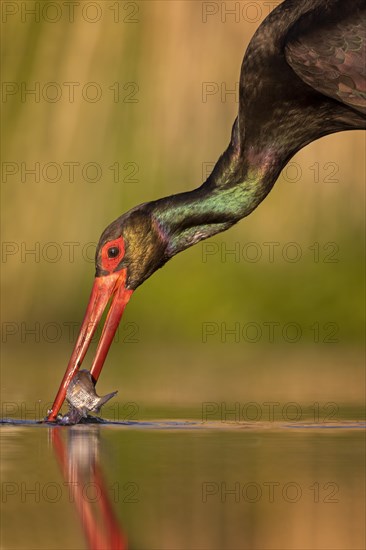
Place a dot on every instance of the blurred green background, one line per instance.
(164, 131)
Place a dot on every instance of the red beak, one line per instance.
(104, 288)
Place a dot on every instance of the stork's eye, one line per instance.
(111, 255)
(113, 252)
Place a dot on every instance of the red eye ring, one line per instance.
(112, 254)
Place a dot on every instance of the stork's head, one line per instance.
(129, 251)
(132, 246)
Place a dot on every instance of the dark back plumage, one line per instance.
(302, 77)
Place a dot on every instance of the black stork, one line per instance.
(302, 77)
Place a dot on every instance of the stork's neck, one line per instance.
(233, 190)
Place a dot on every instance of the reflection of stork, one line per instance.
(80, 468)
(302, 78)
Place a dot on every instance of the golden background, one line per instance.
(165, 132)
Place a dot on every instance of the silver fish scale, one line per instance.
(79, 397)
(82, 398)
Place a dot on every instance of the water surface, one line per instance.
(173, 485)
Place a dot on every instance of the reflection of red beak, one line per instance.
(103, 288)
(97, 517)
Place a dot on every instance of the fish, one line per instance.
(82, 398)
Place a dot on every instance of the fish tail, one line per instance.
(103, 400)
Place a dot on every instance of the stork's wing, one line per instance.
(302, 78)
(332, 59)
